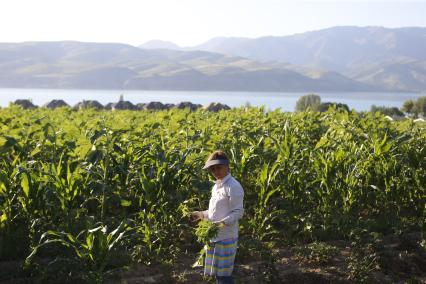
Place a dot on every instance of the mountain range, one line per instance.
(335, 59)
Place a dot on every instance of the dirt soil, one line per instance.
(399, 260)
(399, 263)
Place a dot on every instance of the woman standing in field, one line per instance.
(225, 208)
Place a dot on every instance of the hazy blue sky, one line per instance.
(190, 22)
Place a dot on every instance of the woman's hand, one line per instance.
(196, 216)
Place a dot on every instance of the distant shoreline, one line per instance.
(286, 101)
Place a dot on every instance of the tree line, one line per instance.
(412, 108)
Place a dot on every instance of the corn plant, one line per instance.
(92, 246)
(307, 176)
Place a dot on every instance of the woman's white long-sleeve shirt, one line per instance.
(226, 205)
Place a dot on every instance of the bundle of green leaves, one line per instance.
(206, 231)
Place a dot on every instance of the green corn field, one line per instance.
(84, 193)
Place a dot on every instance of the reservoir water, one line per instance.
(285, 101)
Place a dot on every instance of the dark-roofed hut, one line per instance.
(215, 107)
(25, 104)
(89, 104)
(55, 104)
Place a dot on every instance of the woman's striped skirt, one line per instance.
(220, 257)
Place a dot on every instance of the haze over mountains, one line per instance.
(334, 59)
